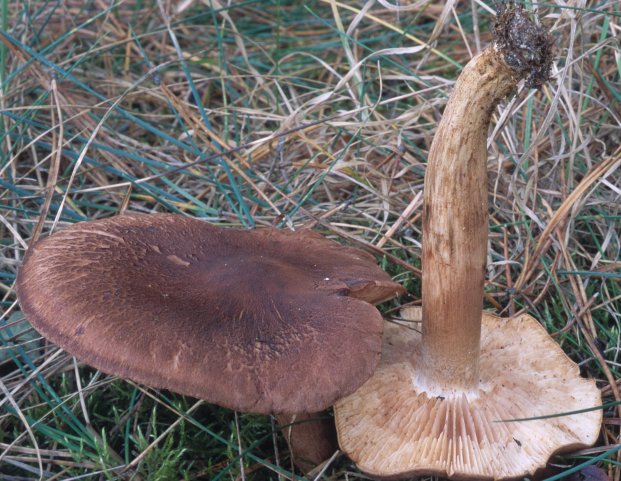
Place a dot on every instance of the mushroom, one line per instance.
(264, 321)
(439, 403)
(311, 438)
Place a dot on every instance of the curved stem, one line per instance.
(455, 224)
(455, 212)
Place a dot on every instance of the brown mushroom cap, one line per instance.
(392, 427)
(262, 321)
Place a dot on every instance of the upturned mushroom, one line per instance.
(264, 321)
(438, 402)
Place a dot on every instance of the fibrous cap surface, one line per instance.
(262, 321)
(393, 427)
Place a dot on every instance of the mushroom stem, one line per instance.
(455, 215)
(455, 224)
(311, 438)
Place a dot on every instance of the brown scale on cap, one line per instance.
(262, 321)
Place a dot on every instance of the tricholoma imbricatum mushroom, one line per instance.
(283, 322)
(438, 401)
(264, 321)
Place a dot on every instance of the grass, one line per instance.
(288, 113)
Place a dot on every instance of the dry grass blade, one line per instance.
(604, 169)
